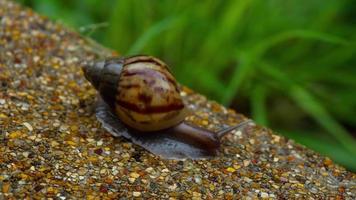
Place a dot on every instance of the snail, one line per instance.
(140, 100)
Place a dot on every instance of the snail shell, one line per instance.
(141, 92)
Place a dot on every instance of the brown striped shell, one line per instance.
(148, 97)
(141, 91)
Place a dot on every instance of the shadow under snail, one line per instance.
(140, 100)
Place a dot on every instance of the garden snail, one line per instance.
(141, 100)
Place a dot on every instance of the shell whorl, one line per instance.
(140, 90)
(148, 98)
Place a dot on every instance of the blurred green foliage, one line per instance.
(290, 65)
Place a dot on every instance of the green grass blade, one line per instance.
(311, 105)
(241, 72)
(262, 47)
(258, 103)
(152, 32)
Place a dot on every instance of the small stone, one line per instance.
(246, 163)
(98, 151)
(248, 180)
(23, 176)
(165, 170)
(15, 134)
(6, 187)
(230, 169)
(50, 190)
(264, 195)
(25, 106)
(237, 167)
(90, 140)
(238, 133)
(56, 124)
(283, 179)
(172, 187)
(93, 158)
(25, 154)
(136, 194)
(63, 128)
(90, 197)
(109, 180)
(134, 175)
(54, 143)
(28, 126)
(149, 169)
(70, 142)
(103, 171)
(103, 188)
(276, 138)
(82, 171)
(197, 179)
(74, 128)
(115, 172)
(36, 59)
(196, 194)
(328, 162)
(99, 143)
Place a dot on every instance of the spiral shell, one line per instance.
(148, 97)
(141, 90)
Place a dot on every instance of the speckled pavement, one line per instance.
(52, 146)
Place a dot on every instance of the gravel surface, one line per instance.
(52, 146)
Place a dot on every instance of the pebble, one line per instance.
(15, 134)
(132, 180)
(230, 169)
(197, 180)
(264, 195)
(136, 194)
(196, 194)
(82, 171)
(248, 180)
(134, 175)
(99, 143)
(25, 154)
(172, 187)
(28, 126)
(6, 187)
(246, 163)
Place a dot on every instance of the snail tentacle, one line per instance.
(225, 131)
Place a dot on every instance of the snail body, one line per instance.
(142, 93)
